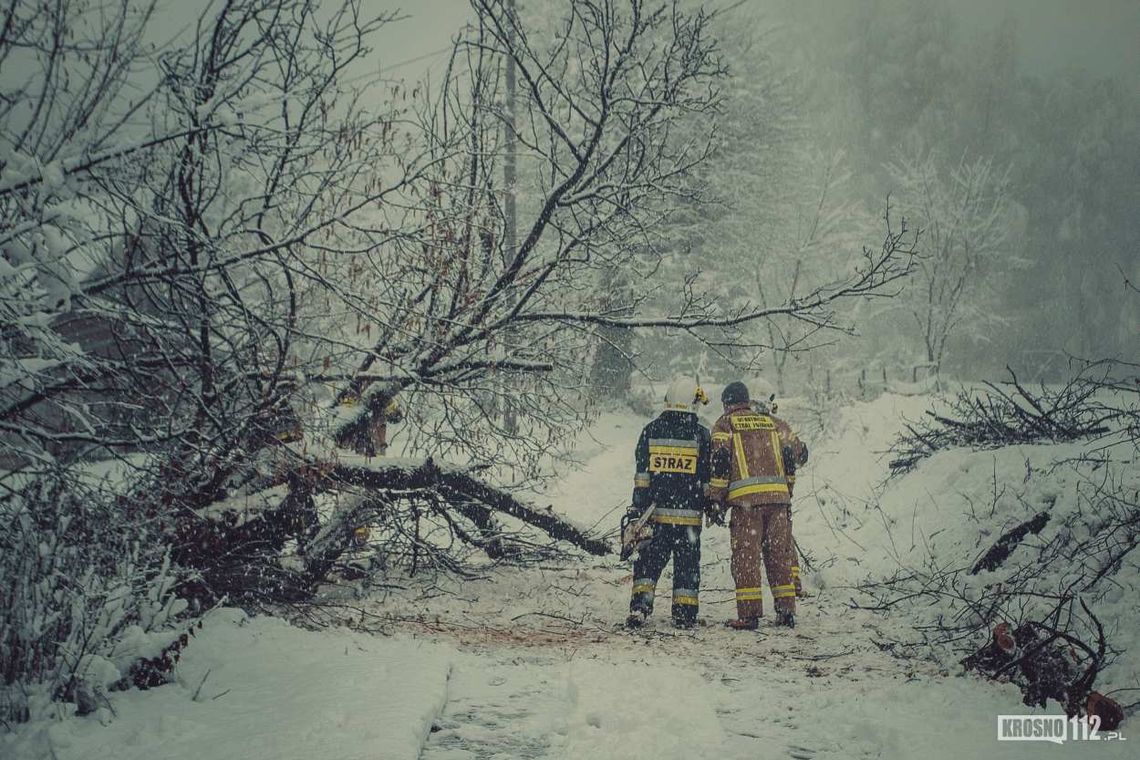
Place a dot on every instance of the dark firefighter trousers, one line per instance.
(683, 544)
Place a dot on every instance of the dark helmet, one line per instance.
(734, 393)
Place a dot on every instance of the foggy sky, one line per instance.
(1100, 36)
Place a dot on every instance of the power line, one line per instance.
(398, 64)
(420, 57)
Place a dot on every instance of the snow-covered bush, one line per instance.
(1097, 400)
(1047, 547)
(87, 592)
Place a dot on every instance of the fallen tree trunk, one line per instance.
(428, 474)
(1009, 541)
(235, 545)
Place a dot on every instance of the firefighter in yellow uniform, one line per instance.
(749, 475)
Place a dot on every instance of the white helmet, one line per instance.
(763, 394)
(683, 395)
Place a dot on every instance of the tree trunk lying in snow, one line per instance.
(236, 545)
(1009, 541)
(427, 475)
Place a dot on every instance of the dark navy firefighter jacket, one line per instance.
(673, 468)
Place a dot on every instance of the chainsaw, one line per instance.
(636, 533)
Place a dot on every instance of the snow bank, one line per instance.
(258, 688)
(950, 512)
(946, 514)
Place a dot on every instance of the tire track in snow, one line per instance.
(495, 709)
(541, 707)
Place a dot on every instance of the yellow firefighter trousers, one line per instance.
(762, 531)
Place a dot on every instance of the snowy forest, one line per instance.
(329, 328)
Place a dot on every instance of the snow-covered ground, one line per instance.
(261, 688)
(527, 663)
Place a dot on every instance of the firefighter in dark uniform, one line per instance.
(673, 469)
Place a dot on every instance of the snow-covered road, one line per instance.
(715, 694)
(440, 688)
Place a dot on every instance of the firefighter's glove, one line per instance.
(714, 514)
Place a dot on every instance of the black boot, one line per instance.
(636, 619)
(786, 618)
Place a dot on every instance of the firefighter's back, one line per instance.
(757, 474)
(678, 444)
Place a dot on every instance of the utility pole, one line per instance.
(509, 173)
(510, 178)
